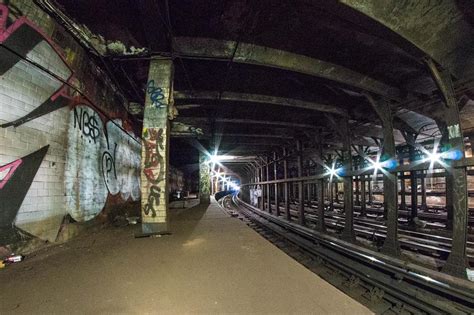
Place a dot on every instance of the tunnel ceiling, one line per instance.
(284, 66)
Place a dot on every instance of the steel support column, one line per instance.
(357, 191)
(369, 186)
(320, 225)
(267, 186)
(331, 195)
(452, 134)
(424, 206)
(275, 176)
(262, 194)
(299, 162)
(286, 186)
(391, 245)
(403, 202)
(363, 197)
(348, 232)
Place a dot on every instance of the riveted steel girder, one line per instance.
(260, 99)
(209, 48)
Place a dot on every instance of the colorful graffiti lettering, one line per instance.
(153, 200)
(6, 172)
(20, 41)
(156, 95)
(15, 185)
(153, 167)
(154, 162)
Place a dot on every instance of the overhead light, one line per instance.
(377, 166)
(434, 157)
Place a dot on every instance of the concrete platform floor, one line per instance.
(212, 263)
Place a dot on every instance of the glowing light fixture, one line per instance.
(377, 166)
(434, 157)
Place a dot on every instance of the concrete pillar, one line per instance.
(204, 179)
(155, 149)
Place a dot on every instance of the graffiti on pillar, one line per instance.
(204, 179)
(154, 167)
(156, 95)
(15, 181)
(22, 43)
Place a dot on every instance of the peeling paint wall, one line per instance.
(65, 142)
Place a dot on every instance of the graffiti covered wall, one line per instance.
(102, 160)
(65, 146)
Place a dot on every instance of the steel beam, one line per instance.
(259, 99)
(208, 48)
(248, 135)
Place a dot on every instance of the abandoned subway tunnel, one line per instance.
(237, 156)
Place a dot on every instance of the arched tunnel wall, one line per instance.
(69, 152)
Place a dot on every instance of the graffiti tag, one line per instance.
(156, 94)
(153, 200)
(88, 124)
(154, 163)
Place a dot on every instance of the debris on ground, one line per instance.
(133, 220)
(11, 259)
(120, 221)
(419, 223)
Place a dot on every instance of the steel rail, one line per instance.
(422, 288)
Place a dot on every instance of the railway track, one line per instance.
(385, 284)
(424, 243)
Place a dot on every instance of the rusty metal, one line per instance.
(452, 135)
(275, 176)
(383, 110)
(299, 163)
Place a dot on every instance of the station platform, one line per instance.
(212, 263)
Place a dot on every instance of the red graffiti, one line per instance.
(6, 171)
(154, 162)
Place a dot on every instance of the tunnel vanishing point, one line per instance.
(347, 125)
